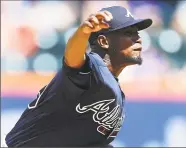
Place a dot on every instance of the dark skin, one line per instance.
(123, 48)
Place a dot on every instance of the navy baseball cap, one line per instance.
(122, 18)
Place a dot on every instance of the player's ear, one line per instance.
(103, 41)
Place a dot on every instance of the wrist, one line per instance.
(82, 32)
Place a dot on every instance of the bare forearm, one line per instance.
(77, 44)
(76, 48)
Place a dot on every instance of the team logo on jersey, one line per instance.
(109, 122)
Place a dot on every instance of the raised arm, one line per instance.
(77, 44)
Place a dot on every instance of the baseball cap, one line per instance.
(122, 18)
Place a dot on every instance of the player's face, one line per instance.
(126, 46)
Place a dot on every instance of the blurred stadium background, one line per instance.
(33, 38)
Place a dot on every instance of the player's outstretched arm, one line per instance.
(77, 44)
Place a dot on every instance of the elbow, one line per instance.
(74, 62)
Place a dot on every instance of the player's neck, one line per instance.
(115, 70)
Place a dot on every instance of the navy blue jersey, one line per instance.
(79, 107)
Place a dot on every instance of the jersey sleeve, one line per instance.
(68, 84)
(80, 77)
(74, 81)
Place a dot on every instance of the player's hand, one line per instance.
(96, 22)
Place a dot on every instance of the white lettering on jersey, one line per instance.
(108, 121)
(40, 93)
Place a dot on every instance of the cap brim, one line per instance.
(142, 23)
(139, 23)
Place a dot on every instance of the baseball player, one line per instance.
(83, 105)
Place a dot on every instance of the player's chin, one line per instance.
(132, 60)
(139, 61)
(136, 60)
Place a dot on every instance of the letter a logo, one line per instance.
(129, 14)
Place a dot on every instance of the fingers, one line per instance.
(89, 24)
(94, 20)
(109, 14)
(99, 18)
(104, 15)
(104, 25)
(97, 22)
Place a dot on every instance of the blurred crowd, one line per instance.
(34, 35)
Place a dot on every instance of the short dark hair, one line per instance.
(93, 39)
(93, 42)
(94, 45)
